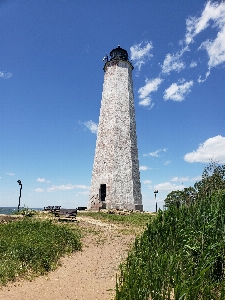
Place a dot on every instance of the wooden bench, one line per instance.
(66, 214)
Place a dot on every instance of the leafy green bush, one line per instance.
(32, 247)
(181, 255)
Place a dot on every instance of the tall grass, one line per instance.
(33, 247)
(181, 255)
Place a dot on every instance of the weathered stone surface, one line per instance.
(116, 156)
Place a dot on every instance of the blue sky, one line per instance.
(51, 77)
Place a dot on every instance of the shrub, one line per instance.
(181, 255)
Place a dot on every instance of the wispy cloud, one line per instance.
(143, 168)
(38, 190)
(197, 178)
(4, 75)
(168, 187)
(193, 64)
(213, 11)
(200, 80)
(92, 126)
(151, 85)
(178, 92)
(166, 163)
(173, 62)
(140, 53)
(212, 148)
(68, 186)
(42, 180)
(10, 174)
(147, 181)
(155, 153)
(212, 15)
(83, 193)
(215, 49)
(180, 179)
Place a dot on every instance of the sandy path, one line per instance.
(89, 274)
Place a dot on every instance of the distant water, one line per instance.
(12, 210)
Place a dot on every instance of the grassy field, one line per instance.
(32, 247)
(135, 219)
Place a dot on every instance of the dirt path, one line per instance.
(86, 275)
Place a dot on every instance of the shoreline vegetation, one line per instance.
(181, 254)
(178, 253)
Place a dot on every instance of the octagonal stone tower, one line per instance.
(115, 177)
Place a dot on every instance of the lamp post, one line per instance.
(156, 192)
(20, 183)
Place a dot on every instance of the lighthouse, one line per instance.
(115, 182)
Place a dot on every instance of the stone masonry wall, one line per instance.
(116, 155)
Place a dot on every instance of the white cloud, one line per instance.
(155, 153)
(193, 64)
(10, 174)
(4, 75)
(42, 180)
(177, 92)
(166, 163)
(215, 49)
(92, 126)
(214, 15)
(212, 148)
(212, 11)
(83, 193)
(143, 168)
(151, 85)
(146, 102)
(81, 186)
(173, 62)
(203, 80)
(141, 54)
(68, 186)
(147, 181)
(38, 190)
(168, 187)
(180, 179)
(197, 178)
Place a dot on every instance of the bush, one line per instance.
(181, 255)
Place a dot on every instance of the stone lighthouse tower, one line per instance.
(115, 177)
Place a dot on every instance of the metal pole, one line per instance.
(19, 181)
(156, 192)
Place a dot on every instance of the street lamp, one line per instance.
(155, 192)
(19, 181)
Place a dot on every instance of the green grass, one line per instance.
(32, 247)
(133, 219)
(181, 255)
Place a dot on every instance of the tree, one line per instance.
(213, 180)
(185, 197)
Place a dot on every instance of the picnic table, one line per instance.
(62, 213)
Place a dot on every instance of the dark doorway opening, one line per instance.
(102, 192)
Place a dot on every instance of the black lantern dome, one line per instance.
(118, 53)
